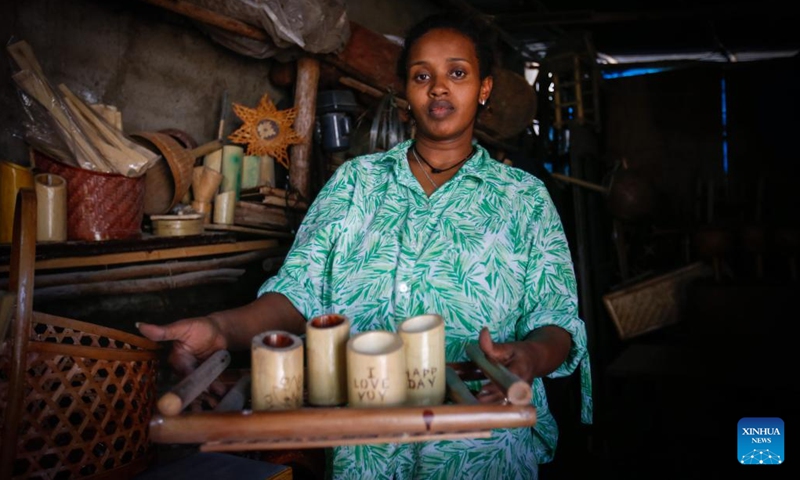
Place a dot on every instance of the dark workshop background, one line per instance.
(689, 224)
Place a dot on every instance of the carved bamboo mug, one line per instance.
(277, 371)
(423, 342)
(376, 367)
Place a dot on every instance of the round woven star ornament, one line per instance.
(266, 130)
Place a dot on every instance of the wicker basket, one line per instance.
(75, 398)
(100, 206)
(654, 303)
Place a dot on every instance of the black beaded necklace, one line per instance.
(440, 170)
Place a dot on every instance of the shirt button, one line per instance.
(403, 287)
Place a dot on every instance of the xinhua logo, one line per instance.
(760, 441)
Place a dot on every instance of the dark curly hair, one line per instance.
(482, 38)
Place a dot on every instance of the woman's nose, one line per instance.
(438, 88)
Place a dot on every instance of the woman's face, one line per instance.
(444, 85)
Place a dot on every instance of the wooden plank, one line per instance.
(151, 256)
(241, 229)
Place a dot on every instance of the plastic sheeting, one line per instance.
(294, 27)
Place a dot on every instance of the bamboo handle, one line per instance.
(206, 148)
(456, 388)
(582, 183)
(517, 390)
(182, 394)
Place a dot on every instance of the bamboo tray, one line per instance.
(316, 427)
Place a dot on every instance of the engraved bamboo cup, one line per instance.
(376, 370)
(276, 371)
(326, 355)
(423, 342)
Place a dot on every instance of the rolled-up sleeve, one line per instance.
(550, 287)
(301, 278)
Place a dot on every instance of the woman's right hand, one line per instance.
(193, 340)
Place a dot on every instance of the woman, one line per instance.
(432, 225)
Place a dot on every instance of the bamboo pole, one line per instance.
(518, 391)
(210, 17)
(151, 255)
(138, 271)
(335, 422)
(192, 385)
(305, 100)
(222, 275)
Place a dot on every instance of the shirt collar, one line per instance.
(475, 167)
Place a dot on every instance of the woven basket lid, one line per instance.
(170, 178)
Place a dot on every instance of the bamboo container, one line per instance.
(266, 171)
(224, 208)
(376, 370)
(213, 160)
(13, 177)
(251, 165)
(423, 343)
(276, 371)
(51, 207)
(326, 354)
(232, 156)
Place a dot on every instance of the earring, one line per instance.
(482, 101)
(408, 107)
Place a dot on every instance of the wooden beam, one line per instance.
(151, 256)
(210, 17)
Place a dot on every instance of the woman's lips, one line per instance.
(440, 109)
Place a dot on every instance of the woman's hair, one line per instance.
(477, 31)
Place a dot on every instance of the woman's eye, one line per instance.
(459, 73)
(421, 77)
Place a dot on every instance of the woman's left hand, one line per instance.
(517, 357)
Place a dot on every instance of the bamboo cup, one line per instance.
(214, 160)
(224, 207)
(232, 169)
(266, 171)
(326, 354)
(251, 165)
(276, 371)
(376, 367)
(13, 177)
(51, 207)
(423, 343)
(205, 183)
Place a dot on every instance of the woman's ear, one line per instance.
(486, 88)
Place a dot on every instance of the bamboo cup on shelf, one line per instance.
(326, 355)
(423, 343)
(232, 156)
(376, 370)
(224, 208)
(13, 177)
(205, 184)
(276, 371)
(213, 160)
(51, 207)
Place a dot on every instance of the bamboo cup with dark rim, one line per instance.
(276, 371)
(326, 354)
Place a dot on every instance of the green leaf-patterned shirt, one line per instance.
(486, 249)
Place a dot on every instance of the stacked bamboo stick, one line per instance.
(93, 142)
